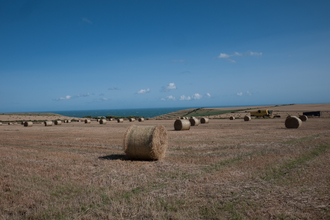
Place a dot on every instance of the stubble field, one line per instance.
(221, 170)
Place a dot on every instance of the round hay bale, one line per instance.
(292, 122)
(68, 121)
(205, 120)
(141, 119)
(87, 121)
(0, 123)
(182, 124)
(194, 121)
(132, 119)
(120, 120)
(28, 124)
(98, 120)
(48, 123)
(58, 122)
(9, 123)
(103, 121)
(145, 142)
(247, 118)
(303, 117)
(232, 118)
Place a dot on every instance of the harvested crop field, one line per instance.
(221, 170)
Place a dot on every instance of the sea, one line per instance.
(142, 112)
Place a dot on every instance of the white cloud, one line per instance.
(168, 98)
(248, 93)
(223, 55)
(86, 20)
(64, 98)
(228, 56)
(142, 91)
(197, 96)
(169, 87)
(183, 97)
(208, 95)
(104, 99)
(240, 93)
(81, 95)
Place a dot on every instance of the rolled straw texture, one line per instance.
(232, 118)
(9, 123)
(303, 117)
(28, 124)
(120, 120)
(132, 119)
(87, 121)
(48, 123)
(141, 119)
(194, 121)
(292, 122)
(103, 121)
(181, 124)
(58, 122)
(247, 118)
(0, 123)
(205, 120)
(145, 142)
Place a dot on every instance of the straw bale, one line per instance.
(132, 119)
(232, 118)
(48, 123)
(292, 122)
(141, 119)
(87, 121)
(146, 142)
(58, 122)
(205, 120)
(247, 118)
(181, 124)
(194, 121)
(9, 123)
(28, 124)
(103, 121)
(0, 123)
(303, 117)
(120, 120)
(68, 121)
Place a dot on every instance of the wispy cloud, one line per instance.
(86, 20)
(183, 98)
(208, 95)
(169, 87)
(178, 61)
(113, 88)
(168, 98)
(142, 91)
(72, 97)
(197, 96)
(240, 93)
(64, 98)
(237, 54)
(248, 93)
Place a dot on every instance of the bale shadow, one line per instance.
(114, 157)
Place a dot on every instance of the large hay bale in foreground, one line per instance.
(58, 122)
(232, 118)
(145, 142)
(48, 123)
(132, 119)
(194, 121)
(292, 122)
(141, 119)
(28, 124)
(120, 120)
(303, 117)
(182, 124)
(247, 118)
(103, 121)
(87, 121)
(205, 120)
(68, 121)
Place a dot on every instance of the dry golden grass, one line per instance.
(221, 170)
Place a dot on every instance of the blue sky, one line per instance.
(81, 55)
